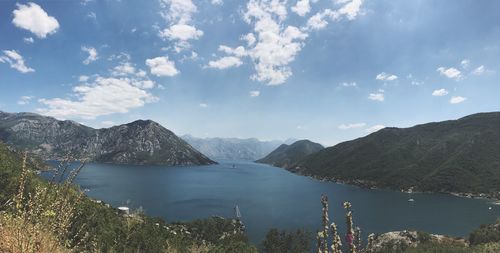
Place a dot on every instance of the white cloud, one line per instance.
(479, 70)
(203, 105)
(386, 77)
(15, 60)
(178, 14)
(349, 84)
(465, 63)
(273, 45)
(351, 126)
(92, 15)
(92, 55)
(451, 73)
(24, 100)
(254, 93)
(350, 10)
(440, 93)
(457, 99)
(225, 62)
(374, 128)
(376, 97)
(33, 18)
(124, 69)
(302, 7)
(181, 32)
(29, 40)
(162, 66)
(217, 2)
(83, 78)
(249, 38)
(104, 96)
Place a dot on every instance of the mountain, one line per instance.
(287, 155)
(139, 142)
(232, 148)
(460, 156)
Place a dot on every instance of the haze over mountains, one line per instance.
(249, 149)
(138, 142)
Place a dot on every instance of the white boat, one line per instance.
(411, 200)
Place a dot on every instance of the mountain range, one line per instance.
(460, 156)
(249, 149)
(287, 155)
(138, 142)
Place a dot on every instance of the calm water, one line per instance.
(272, 197)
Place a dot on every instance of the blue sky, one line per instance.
(324, 70)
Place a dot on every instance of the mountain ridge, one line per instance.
(286, 155)
(453, 156)
(137, 142)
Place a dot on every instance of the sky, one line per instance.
(325, 70)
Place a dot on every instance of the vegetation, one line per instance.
(286, 155)
(282, 241)
(55, 216)
(452, 156)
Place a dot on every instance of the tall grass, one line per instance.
(40, 218)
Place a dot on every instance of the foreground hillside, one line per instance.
(451, 156)
(139, 142)
(287, 155)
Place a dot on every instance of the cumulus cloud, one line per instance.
(225, 62)
(451, 73)
(29, 40)
(33, 18)
(217, 2)
(376, 97)
(351, 126)
(178, 14)
(108, 123)
(15, 60)
(386, 77)
(119, 91)
(254, 93)
(162, 66)
(104, 96)
(440, 93)
(272, 44)
(374, 128)
(92, 55)
(350, 10)
(302, 7)
(457, 100)
(24, 100)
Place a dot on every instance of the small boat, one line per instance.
(234, 166)
(411, 200)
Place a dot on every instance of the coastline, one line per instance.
(365, 184)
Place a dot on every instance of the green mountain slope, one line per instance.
(451, 156)
(286, 155)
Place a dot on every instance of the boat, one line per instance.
(411, 200)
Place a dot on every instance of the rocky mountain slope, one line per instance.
(287, 155)
(451, 156)
(232, 148)
(139, 142)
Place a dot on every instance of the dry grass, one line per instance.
(40, 220)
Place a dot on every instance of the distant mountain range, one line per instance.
(233, 148)
(139, 142)
(287, 155)
(460, 156)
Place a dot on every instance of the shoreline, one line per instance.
(364, 184)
